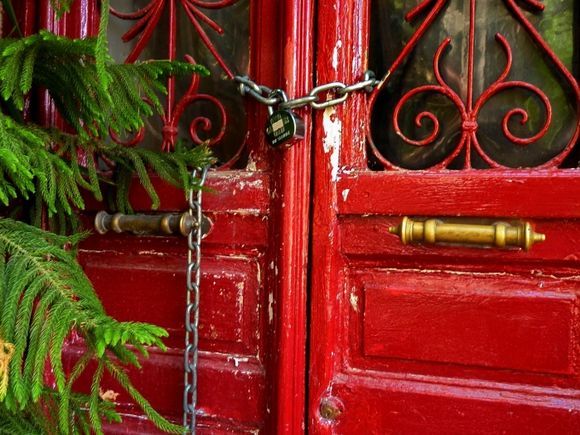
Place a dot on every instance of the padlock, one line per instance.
(284, 126)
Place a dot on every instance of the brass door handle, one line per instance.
(498, 234)
(143, 224)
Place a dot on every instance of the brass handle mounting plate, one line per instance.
(498, 234)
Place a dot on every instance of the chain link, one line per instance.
(336, 88)
(336, 92)
(192, 307)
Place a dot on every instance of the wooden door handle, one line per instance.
(498, 234)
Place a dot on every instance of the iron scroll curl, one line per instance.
(468, 106)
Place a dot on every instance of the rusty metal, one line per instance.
(150, 224)
(470, 109)
(499, 234)
(335, 93)
(331, 408)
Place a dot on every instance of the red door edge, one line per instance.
(291, 186)
(344, 60)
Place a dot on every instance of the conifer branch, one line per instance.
(44, 293)
(45, 296)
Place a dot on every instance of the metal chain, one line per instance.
(192, 307)
(277, 97)
(271, 98)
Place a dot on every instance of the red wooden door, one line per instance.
(404, 339)
(446, 339)
(253, 298)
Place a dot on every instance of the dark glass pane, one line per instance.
(389, 34)
(216, 92)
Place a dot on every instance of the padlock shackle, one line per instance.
(280, 95)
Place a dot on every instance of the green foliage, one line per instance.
(44, 296)
(42, 417)
(92, 102)
(31, 158)
(61, 6)
(29, 167)
(44, 293)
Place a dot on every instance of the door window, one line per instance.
(479, 89)
(215, 35)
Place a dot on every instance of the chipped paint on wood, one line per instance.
(332, 126)
(270, 308)
(336, 54)
(354, 301)
(238, 359)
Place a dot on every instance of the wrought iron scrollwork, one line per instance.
(201, 129)
(469, 108)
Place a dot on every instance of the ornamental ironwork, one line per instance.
(146, 21)
(468, 143)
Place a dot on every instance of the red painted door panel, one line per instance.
(403, 338)
(140, 279)
(429, 338)
(253, 304)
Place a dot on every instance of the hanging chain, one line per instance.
(192, 308)
(338, 92)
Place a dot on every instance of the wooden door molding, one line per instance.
(291, 230)
(341, 56)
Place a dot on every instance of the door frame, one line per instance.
(341, 56)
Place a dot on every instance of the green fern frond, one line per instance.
(68, 69)
(93, 94)
(29, 166)
(102, 57)
(61, 6)
(44, 296)
(153, 415)
(44, 293)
